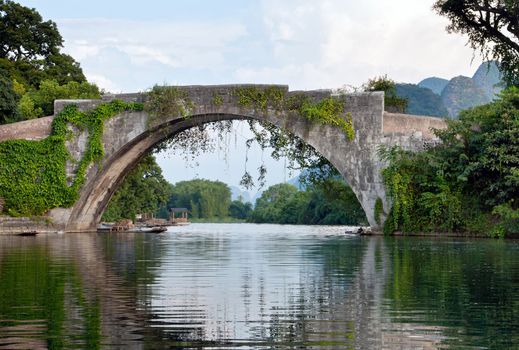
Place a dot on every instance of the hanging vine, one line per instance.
(329, 111)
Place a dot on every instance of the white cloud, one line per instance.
(104, 83)
(304, 43)
(336, 42)
(175, 44)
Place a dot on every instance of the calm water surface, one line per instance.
(257, 287)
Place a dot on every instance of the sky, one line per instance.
(129, 46)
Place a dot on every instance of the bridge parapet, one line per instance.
(34, 129)
(411, 132)
(405, 124)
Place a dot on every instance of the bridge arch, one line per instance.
(100, 189)
(130, 136)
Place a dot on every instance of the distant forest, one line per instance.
(328, 202)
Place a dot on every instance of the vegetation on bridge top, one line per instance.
(328, 111)
(167, 101)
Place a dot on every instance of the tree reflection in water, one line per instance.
(253, 286)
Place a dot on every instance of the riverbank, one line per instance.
(24, 225)
(217, 220)
(435, 234)
(41, 225)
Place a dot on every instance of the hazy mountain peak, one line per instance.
(421, 100)
(435, 84)
(462, 93)
(488, 78)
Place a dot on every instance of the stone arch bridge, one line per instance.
(129, 136)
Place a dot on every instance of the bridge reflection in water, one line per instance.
(252, 286)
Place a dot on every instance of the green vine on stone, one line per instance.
(261, 99)
(33, 175)
(217, 100)
(167, 101)
(329, 111)
(398, 182)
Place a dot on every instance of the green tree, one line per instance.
(392, 102)
(240, 210)
(61, 68)
(294, 209)
(488, 140)
(270, 206)
(8, 99)
(30, 58)
(143, 190)
(332, 202)
(492, 27)
(30, 47)
(40, 102)
(24, 35)
(469, 182)
(204, 198)
(327, 202)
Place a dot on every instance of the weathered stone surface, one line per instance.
(76, 146)
(405, 124)
(130, 136)
(35, 129)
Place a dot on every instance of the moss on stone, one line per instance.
(167, 101)
(328, 111)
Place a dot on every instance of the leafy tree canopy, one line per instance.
(24, 35)
(271, 206)
(30, 58)
(392, 102)
(492, 27)
(327, 202)
(240, 210)
(469, 182)
(204, 198)
(8, 99)
(38, 103)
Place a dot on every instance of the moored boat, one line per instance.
(145, 229)
(106, 227)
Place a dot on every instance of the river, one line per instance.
(252, 286)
